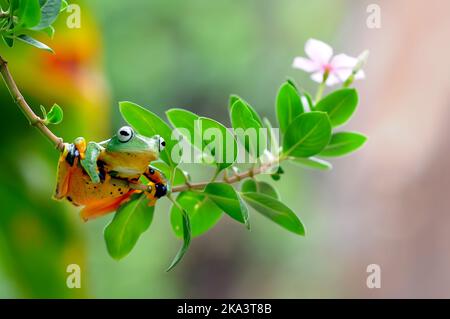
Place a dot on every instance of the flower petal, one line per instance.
(343, 61)
(304, 64)
(342, 74)
(360, 75)
(332, 80)
(318, 51)
(317, 77)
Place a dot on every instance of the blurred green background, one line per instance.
(190, 54)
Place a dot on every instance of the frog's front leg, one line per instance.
(89, 162)
(159, 180)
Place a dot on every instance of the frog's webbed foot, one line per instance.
(89, 161)
(159, 182)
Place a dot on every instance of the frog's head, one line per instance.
(128, 142)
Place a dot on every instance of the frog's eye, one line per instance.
(162, 144)
(124, 134)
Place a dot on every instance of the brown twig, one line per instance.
(18, 98)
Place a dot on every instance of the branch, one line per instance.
(18, 98)
(200, 185)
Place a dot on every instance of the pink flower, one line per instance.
(321, 61)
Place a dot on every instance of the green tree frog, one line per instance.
(98, 175)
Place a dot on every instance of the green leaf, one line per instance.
(55, 116)
(340, 105)
(183, 119)
(255, 115)
(289, 105)
(203, 213)
(44, 112)
(312, 162)
(64, 5)
(224, 196)
(307, 135)
(149, 124)
(29, 13)
(131, 220)
(267, 189)
(186, 241)
(233, 98)
(343, 143)
(8, 40)
(249, 186)
(252, 186)
(49, 12)
(215, 142)
(179, 179)
(275, 211)
(244, 125)
(29, 40)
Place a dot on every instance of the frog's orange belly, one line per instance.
(81, 190)
(98, 199)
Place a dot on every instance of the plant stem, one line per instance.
(321, 87)
(18, 98)
(229, 180)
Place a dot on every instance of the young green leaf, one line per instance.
(184, 120)
(243, 124)
(131, 220)
(307, 135)
(29, 40)
(340, 105)
(218, 142)
(29, 13)
(224, 196)
(55, 116)
(343, 143)
(289, 105)
(252, 186)
(186, 240)
(149, 124)
(312, 162)
(203, 213)
(275, 211)
(49, 12)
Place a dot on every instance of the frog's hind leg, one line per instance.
(103, 207)
(157, 177)
(66, 163)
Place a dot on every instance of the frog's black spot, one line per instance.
(69, 198)
(110, 193)
(70, 158)
(161, 190)
(114, 184)
(121, 193)
(119, 189)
